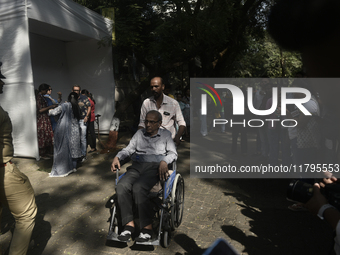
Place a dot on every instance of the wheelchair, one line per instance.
(168, 204)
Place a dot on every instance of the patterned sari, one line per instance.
(44, 127)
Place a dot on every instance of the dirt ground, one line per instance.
(251, 214)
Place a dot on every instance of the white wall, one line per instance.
(18, 97)
(54, 61)
(49, 62)
(91, 68)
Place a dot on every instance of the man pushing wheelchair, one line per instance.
(151, 150)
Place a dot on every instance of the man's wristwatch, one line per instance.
(322, 210)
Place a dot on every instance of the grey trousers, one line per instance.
(133, 189)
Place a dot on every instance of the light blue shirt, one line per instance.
(145, 148)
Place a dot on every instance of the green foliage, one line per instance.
(264, 57)
(178, 39)
(209, 38)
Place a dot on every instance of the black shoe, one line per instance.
(126, 234)
(144, 236)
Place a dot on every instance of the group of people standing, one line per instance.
(299, 144)
(63, 128)
(311, 141)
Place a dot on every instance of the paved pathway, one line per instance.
(251, 214)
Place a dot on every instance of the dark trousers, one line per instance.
(133, 189)
(92, 139)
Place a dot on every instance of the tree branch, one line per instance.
(197, 7)
(187, 7)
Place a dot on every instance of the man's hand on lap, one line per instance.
(163, 171)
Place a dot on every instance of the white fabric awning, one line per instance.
(53, 42)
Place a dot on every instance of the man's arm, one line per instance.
(169, 158)
(171, 153)
(331, 215)
(181, 123)
(142, 116)
(126, 152)
(88, 113)
(180, 132)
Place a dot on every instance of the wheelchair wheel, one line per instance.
(177, 202)
(166, 239)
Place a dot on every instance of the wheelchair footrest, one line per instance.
(112, 236)
(154, 241)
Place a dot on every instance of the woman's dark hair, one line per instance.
(44, 86)
(85, 92)
(73, 99)
(91, 96)
(88, 94)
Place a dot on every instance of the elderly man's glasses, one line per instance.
(150, 121)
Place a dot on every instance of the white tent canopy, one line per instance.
(53, 42)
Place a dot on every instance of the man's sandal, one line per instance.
(144, 236)
(125, 235)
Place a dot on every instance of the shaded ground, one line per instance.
(251, 214)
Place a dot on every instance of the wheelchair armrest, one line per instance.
(167, 185)
(124, 161)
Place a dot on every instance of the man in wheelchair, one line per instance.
(151, 150)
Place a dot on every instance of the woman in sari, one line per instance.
(44, 128)
(66, 137)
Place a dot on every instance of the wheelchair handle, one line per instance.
(117, 172)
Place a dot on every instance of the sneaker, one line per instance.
(144, 236)
(83, 159)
